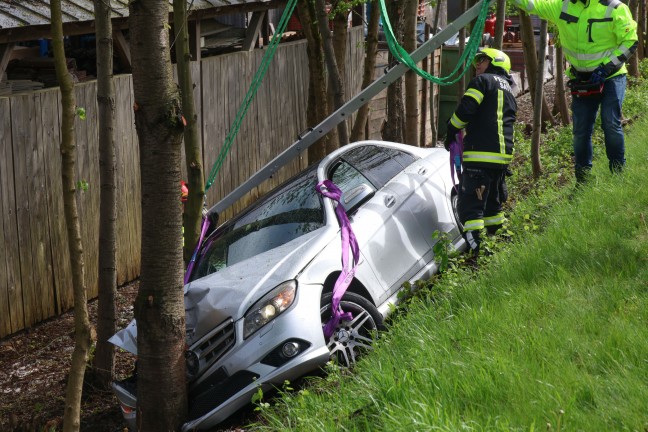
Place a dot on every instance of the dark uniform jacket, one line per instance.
(487, 113)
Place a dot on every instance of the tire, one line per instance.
(351, 339)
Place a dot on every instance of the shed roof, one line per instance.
(22, 13)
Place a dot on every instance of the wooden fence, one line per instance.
(35, 276)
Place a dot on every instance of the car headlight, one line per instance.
(269, 307)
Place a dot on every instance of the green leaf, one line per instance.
(81, 112)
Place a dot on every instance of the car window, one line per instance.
(378, 164)
(347, 177)
(288, 213)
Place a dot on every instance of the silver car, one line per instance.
(261, 289)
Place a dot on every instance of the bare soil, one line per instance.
(34, 363)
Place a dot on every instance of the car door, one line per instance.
(387, 232)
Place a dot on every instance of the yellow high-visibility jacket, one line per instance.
(592, 33)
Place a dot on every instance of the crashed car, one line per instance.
(261, 290)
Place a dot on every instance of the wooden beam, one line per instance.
(252, 33)
(5, 53)
(194, 39)
(122, 50)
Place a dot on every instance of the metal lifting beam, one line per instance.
(342, 113)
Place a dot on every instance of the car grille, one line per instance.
(214, 344)
(218, 393)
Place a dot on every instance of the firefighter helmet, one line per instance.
(497, 58)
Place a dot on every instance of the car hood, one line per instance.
(230, 292)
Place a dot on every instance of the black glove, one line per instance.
(451, 136)
(599, 75)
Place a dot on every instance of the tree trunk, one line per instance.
(334, 77)
(368, 75)
(440, 16)
(82, 340)
(561, 95)
(104, 359)
(641, 31)
(498, 39)
(537, 110)
(159, 307)
(192, 215)
(394, 125)
(410, 10)
(633, 63)
(462, 47)
(317, 107)
(531, 63)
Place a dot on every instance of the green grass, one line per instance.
(551, 333)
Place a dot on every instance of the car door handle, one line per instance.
(422, 170)
(390, 200)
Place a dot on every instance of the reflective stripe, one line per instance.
(489, 157)
(475, 94)
(613, 5)
(588, 57)
(498, 219)
(456, 122)
(500, 121)
(473, 225)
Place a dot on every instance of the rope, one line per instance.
(256, 82)
(403, 56)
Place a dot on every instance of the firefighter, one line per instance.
(598, 37)
(486, 113)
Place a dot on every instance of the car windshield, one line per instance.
(289, 212)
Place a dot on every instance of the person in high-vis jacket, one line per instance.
(598, 37)
(486, 113)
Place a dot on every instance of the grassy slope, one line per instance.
(553, 330)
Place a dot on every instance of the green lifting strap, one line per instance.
(403, 56)
(256, 82)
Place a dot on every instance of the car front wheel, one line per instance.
(351, 338)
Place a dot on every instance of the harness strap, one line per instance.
(330, 190)
(456, 158)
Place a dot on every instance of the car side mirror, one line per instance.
(354, 198)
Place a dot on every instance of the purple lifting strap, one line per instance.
(456, 157)
(328, 189)
(190, 266)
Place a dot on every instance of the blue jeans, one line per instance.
(584, 111)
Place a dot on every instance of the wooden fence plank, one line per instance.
(21, 137)
(10, 282)
(41, 242)
(60, 252)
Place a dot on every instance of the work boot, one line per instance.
(616, 166)
(582, 175)
(491, 230)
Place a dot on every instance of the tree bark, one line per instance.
(531, 63)
(104, 359)
(192, 215)
(82, 339)
(394, 126)
(317, 106)
(633, 63)
(537, 110)
(159, 307)
(641, 31)
(561, 95)
(440, 17)
(368, 75)
(462, 47)
(498, 39)
(334, 77)
(411, 78)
